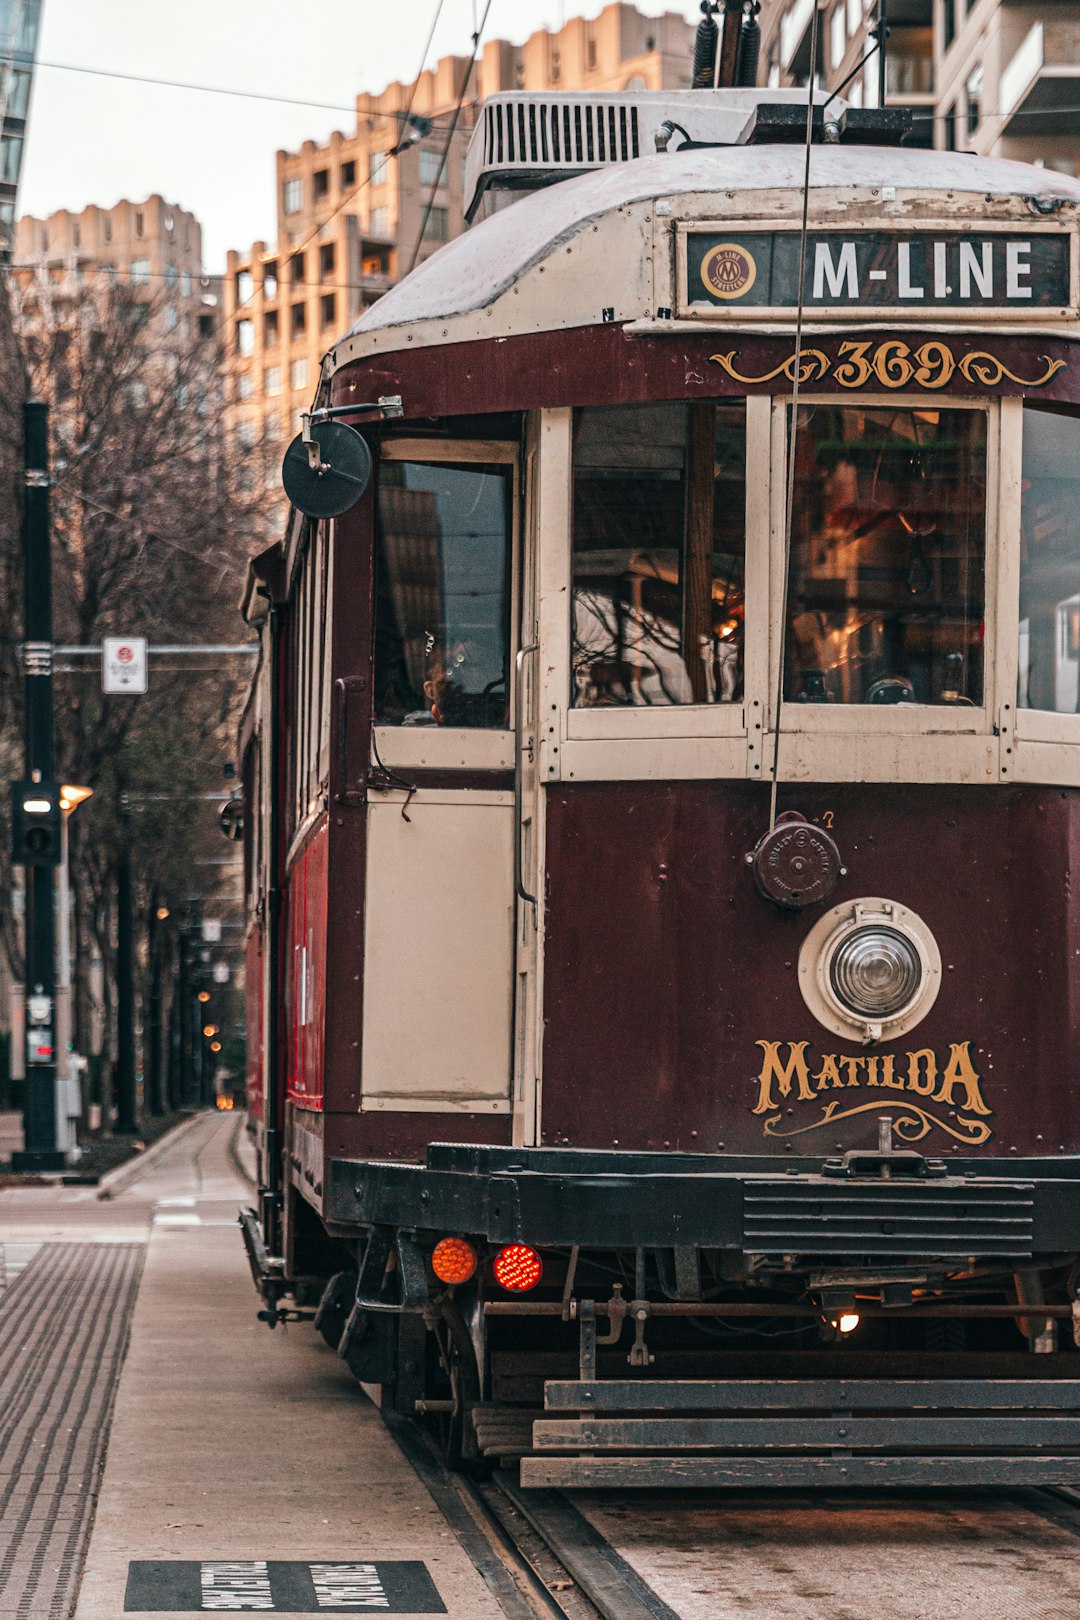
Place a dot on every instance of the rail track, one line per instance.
(999, 1552)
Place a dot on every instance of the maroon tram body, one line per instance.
(679, 1100)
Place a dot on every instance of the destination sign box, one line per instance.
(728, 272)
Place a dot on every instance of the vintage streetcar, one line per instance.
(663, 807)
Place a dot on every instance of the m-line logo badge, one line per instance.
(728, 270)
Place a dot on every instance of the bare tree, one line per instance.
(153, 516)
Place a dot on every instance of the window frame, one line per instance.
(902, 719)
(461, 747)
(822, 743)
(696, 719)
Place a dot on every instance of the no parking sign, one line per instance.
(123, 665)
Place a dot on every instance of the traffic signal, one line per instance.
(35, 823)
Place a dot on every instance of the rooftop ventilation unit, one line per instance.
(524, 141)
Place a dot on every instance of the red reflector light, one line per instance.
(453, 1260)
(518, 1268)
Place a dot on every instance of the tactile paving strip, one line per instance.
(63, 1331)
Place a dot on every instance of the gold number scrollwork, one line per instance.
(893, 364)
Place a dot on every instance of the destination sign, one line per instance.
(733, 271)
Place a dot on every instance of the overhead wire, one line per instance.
(476, 37)
(800, 310)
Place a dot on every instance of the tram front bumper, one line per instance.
(558, 1197)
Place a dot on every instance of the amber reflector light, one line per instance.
(453, 1260)
(518, 1268)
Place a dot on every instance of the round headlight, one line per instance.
(875, 971)
(870, 966)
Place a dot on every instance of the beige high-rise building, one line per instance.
(152, 245)
(983, 76)
(355, 213)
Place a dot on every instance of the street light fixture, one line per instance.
(204, 996)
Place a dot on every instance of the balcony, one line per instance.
(1040, 88)
(909, 65)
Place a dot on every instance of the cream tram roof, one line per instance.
(560, 257)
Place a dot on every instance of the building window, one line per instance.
(377, 164)
(298, 374)
(854, 18)
(170, 318)
(329, 309)
(108, 229)
(950, 129)
(270, 327)
(320, 184)
(837, 35)
(886, 602)
(590, 52)
(298, 322)
(348, 175)
(326, 259)
(380, 223)
(76, 234)
(245, 286)
(296, 267)
(138, 222)
(293, 195)
(272, 427)
(245, 435)
(659, 525)
(949, 22)
(245, 385)
(170, 275)
(185, 283)
(140, 272)
(1050, 561)
(974, 89)
(438, 225)
(272, 380)
(245, 338)
(442, 609)
(431, 168)
(270, 279)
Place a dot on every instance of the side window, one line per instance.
(442, 594)
(886, 585)
(1049, 672)
(659, 550)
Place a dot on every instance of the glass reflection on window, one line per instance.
(1050, 561)
(442, 603)
(659, 551)
(886, 583)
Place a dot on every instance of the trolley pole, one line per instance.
(40, 1151)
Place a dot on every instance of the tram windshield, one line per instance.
(1050, 561)
(659, 551)
(887, 572)
(442, 622)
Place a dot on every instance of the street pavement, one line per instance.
(245, 1470)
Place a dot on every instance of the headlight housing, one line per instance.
(870, 967)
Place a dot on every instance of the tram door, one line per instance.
(440, 966)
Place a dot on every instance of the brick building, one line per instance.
(351, 212)
(984, 76)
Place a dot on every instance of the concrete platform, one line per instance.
(236, 1447)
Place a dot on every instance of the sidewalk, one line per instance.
(234, 1447)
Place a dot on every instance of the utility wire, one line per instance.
(785, 568)
(215, 90)
(477, 35)
(397, 147)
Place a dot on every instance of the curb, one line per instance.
(117, 1180)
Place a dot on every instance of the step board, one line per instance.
(812, 1395)
(777, 1472)
(988, 1432)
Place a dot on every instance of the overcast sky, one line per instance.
(97, 139)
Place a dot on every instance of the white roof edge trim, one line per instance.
(477, 268)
